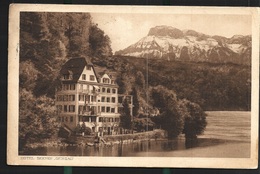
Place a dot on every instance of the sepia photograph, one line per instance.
(133, 86)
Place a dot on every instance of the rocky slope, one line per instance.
(165, 42)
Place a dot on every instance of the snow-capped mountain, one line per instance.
(169, 43)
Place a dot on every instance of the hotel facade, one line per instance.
(89, 96)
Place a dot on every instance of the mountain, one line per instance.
(169, 43)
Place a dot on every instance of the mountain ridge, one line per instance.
(169, 43)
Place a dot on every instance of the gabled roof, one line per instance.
(100, 72)
(75, 66)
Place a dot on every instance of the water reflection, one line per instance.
(130, 149)
(222, 128)
(190, 143)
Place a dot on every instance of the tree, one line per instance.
(135, 102)
(100, 43)
(37, 118)
(78, 129)
(125, 116)
(143, 124)
(171, 111)
(77, 31)
(140, 80)
(28, 75)
(194, 121)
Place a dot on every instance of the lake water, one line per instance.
(227, 135)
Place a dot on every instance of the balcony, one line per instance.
(89, 113)
(85, 91)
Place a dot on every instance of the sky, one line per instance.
(126, 29)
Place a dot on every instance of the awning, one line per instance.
(96, 87)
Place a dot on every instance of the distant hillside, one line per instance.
(168, 43)
(213, 86)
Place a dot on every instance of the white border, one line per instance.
(13, 91)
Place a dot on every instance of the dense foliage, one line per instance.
(37, 118)
(212, 86)
(47, 41)
(177, 116)
(125, 116)
(194, 121)
(143, 124)
(170, 111)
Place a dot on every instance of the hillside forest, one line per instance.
(177, 92)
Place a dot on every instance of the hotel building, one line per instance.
(89, 96)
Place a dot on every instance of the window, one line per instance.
(112, 110)
(66, 87)
(72, 87)
(80, 118)
(103, 109)
(94, 99)
(103, 99)
(87, 108)
(81, 97)
(87, 98)
(71, 118)
(65, 98)
(66, 76)
(103, 89)
(80, 109)
(88, 67)
(113, 91)
(71, 97)
(71, 108)
(59, 98)
(108, 109)
(92, 78)
(116, 119)
(108, 99)
(108, 90)
(66, 119)
(106, 80)
(84, 119)
(93, 119)
(113, 99)
(100, 119)
(112, 82)
(83, 76)
(65, 108)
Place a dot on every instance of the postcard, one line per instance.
(133, 86)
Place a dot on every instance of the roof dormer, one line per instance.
(106, 79)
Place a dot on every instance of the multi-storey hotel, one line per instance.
(89, 96)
